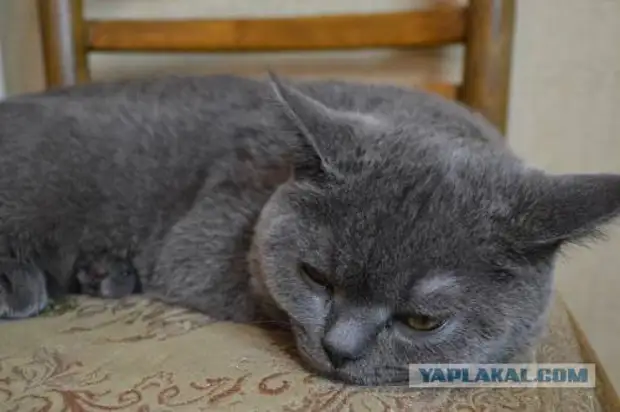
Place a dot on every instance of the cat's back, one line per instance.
(163, 112)
(172, 100)
(431, 114)
(121, 148)
(119, 127)
(138, 141)
(171, 119)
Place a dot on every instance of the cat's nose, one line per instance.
(338, 354)
(351, 333)
(345, 341)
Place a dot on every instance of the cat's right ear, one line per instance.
(328, 134)
(315, 159)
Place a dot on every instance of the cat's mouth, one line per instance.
(372, 380)
(318, 363)
(378, 377)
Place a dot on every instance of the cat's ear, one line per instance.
(567, 208)
(329, 134)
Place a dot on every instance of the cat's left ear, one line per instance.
(330, 134)
(566, 208)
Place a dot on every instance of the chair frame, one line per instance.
(484, 27)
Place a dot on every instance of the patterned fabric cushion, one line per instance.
(139, 355)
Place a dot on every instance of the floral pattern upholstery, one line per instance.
(141, 355)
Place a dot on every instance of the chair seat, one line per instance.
(139, 355)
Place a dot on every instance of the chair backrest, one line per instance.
(484, 27)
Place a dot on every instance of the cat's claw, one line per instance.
(23, 290)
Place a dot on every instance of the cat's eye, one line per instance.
(423, 323)
(314, 276)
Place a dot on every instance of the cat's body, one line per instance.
(147, 160)
(117, 168)
(349, 211)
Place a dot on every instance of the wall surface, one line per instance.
(564, 116)
(22, 63)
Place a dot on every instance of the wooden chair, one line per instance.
(484, 27)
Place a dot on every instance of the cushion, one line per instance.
(140, 355)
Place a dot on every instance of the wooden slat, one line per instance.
(48, 20)
(446, 90)
(488, 58)
(64, 49)
(415, 28)
(80, 50)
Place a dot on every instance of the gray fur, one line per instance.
(221, 188)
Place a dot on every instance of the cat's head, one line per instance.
(393, 245)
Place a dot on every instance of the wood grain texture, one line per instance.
(605, 391)
(80, 50)
(449, 91)
(50, 40)
(488, 58)
(404, 29)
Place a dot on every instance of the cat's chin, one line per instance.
(372, 380)
(328, 372)
(319, 364)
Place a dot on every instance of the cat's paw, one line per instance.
(107, 277)
(23, 290)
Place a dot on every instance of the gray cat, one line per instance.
(384, 226)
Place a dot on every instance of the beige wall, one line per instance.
(565, 117)
(20, 47)
(565, 107)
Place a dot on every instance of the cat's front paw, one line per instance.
(108, 277)
(23, 290)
